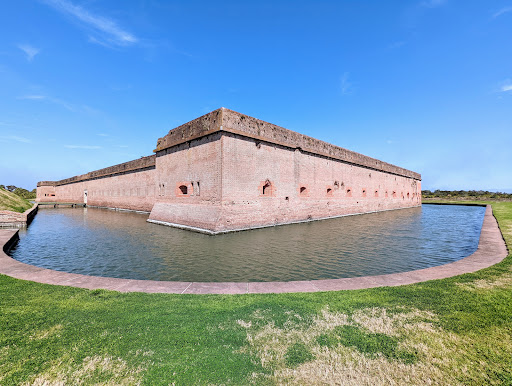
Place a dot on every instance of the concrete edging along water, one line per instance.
(491, 250)
(10, 219)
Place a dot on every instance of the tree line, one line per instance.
(466, 194)
(454, 194)
(24, 193)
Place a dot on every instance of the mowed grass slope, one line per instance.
(12, 202)
(451, 331)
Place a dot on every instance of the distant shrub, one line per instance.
(467, 195)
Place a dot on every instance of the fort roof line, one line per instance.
(225, 120)
(229, 121)
(125, 167)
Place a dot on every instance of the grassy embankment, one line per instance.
(12, 202)
(451, 331)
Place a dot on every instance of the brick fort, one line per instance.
(226, 171)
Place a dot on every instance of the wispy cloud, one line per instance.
(506, 87)
(432, 3)
(33, 97)
(14, 138)
(104, 31)
(29, 51)
(86, 147)
(346, 85)
(103, 135)
(502, 11)
(60, 102)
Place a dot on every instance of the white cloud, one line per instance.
(502, 11)
(106, 31)
(30, 51)
(103, 135)
(506, 87)
(86, 147)
(33, 97)
(15, 138)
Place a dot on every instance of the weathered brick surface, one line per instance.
(46, 192)
(248, 162)
(230, 121)
(226, 171)
(196, 164)
(130, 185)
(14, 219)
(133, 190)
(130, 166)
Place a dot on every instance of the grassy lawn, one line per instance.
(12, 202)
(451, 331)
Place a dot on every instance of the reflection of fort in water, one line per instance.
(102, 242)
(226, 171)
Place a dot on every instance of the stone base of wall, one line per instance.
(118, 209)
(187, 216)
(169, 215)
(10, 219)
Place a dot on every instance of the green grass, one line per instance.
(368, 343)
(297, 354)
(451, 331)
(12, 202)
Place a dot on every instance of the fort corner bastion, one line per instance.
(226, 171)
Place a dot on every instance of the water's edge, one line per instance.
(491, 250)
(103, 243)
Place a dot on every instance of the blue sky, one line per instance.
(426, 84)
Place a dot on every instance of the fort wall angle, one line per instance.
(227, 171)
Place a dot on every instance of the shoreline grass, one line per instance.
(451, 331)
(12, 202)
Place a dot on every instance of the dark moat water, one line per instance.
(102, 242)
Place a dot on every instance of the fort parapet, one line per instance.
(142, 163)
(225, 120)
(227, 171)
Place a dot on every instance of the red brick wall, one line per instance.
(191, 163)
(240, 172)
(134, 191)
(45, 193)
(130, 185)
(247, 163)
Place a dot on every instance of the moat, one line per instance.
(107, 243)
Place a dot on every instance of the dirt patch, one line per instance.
(43, 334)
(93, 370)
(503, 281)
(341, 363)
(378, 320)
